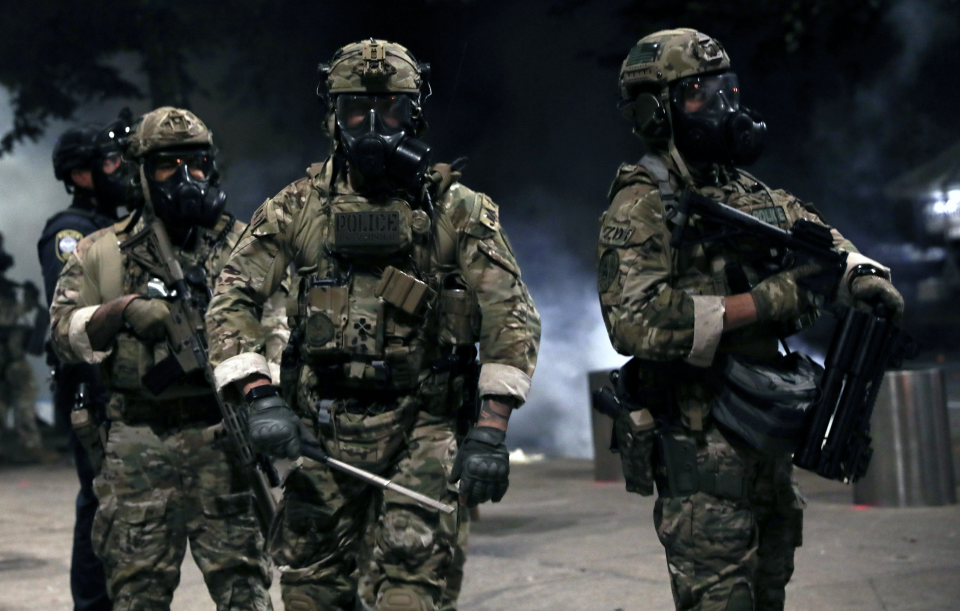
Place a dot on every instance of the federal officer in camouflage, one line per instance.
(18, 388)
(162, 482)
(731, 522)
(403, 270)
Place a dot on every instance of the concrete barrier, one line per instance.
(912, 461)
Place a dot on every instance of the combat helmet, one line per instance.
(374, 67)
(75, 148)
(177, 160)
(677, 88)
(167, 127)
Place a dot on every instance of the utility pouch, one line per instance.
(88, 430)
(634, 437)
(403, 291)
(324, 308)
(459, 318)
(677, 473)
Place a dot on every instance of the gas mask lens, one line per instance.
(111, 163)
(162, 166)
(716, 93)
(396, 111)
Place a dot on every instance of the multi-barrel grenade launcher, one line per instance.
(864, 344)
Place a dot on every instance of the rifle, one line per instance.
(864, 345)
(189, 354)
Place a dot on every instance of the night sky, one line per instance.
(529, 97)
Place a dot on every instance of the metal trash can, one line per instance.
(912, 461)
(606, 464)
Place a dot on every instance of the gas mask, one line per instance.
(710, 126)
(184, 187)
(110, 175)
(375, 133)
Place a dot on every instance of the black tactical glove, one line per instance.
(868, 291)
(482, 466)
(147, 317)
(274, 428)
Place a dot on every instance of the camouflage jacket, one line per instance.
(296, 227)
(85, 284)
(663, 305)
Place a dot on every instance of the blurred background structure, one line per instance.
(859, 96)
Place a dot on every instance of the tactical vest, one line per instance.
(380, 302)
(126, 269)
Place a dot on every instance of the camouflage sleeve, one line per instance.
(75, 299)
(251, 275)
(510, 324)
(274, 322)
(644, 314)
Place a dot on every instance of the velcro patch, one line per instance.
(376, 228)
(67, 243)
(616, 235)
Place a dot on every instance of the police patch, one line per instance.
(774, 215)
(67, 243)
(607, 270)
(377, 228)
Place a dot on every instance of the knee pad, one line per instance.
(403, 599)
(740, 598)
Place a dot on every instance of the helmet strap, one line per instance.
(671, 145)
(145, 187)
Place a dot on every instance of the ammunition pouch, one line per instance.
(678, 473)
(458, 320)
(633, 436)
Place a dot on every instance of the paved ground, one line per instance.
(559, 541)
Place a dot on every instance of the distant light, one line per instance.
(949, 204)
(110, 134)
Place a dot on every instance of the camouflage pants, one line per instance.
(159, 489)
(18, 396)
(733, 555)
(346, 545)
(455, 574)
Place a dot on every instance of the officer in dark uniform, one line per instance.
(87, 160)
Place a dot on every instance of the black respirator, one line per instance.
(375, 133)
(110, 171)
(184, 188)
(710, 126)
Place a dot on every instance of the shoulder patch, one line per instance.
(607, 270)
(490, 215)
(66, 241)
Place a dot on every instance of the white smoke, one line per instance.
(556, 417)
